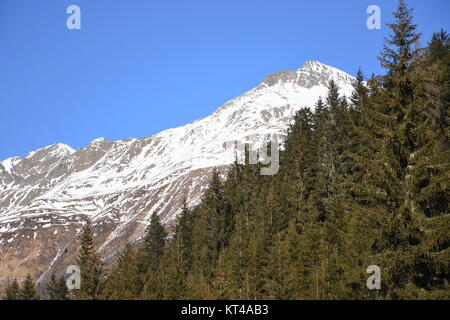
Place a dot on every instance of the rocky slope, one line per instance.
(45, 195)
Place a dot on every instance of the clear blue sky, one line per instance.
(138, 67)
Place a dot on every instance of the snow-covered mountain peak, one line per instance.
(98, 140)
(314, 65)
(309, 75)
(119, 184)
(33, 165)
(53, 149)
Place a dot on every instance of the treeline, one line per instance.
(24, 291)
(362, 181)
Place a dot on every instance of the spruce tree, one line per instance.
(427, 168)
(124, 281)
(28, 290)
(400, 46)
(174, 270)
(150, 258)
(154, 242)
(91, 266)
(57, 288)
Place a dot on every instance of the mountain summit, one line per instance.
(311, 74)
(45, 195)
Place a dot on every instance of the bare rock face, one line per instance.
(45, 196)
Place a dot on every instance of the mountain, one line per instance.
(45, 195)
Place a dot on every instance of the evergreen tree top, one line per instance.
(398, 51)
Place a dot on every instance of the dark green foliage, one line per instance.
(125, 281)
(399, 49)
(154, 242)
(91, 267)
(28, 290)
(57, 289)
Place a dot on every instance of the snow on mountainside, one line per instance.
(118, 184)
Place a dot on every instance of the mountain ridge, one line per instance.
(45, 195)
